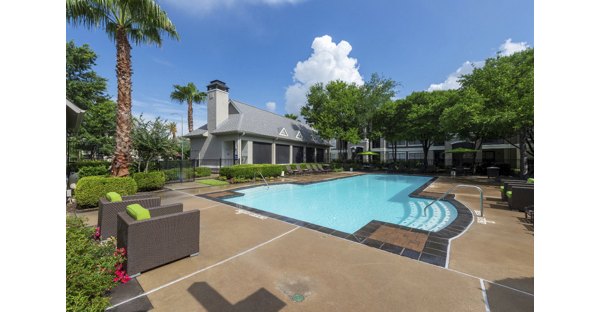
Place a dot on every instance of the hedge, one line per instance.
(203, 172)
(90, 189)
(148, 181)
(75, 166)
(248, 171)
(89, 171)
(90, 268)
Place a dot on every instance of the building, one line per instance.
(238, 133)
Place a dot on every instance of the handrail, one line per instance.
(264, 180)
(452, 189)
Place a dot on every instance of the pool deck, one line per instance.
(248, 263)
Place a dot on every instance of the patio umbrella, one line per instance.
(368, 153)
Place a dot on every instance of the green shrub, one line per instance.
(203, 172)
(248, 171)
(89, 171)
(338, 169)
(90, 189)
(148, 181)
(75, 166)
(240, 180)
(90, 268)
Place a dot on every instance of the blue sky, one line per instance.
(255, 46)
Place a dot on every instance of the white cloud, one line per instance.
(271, 106)
(452, 81)
(206, 6)
(506, 49)
(329, 61)
(509, 47)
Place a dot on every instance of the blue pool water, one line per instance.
(348, 204)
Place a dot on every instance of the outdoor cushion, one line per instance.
(509, 194)
(113, 197)
(138, 212)
(530, 180)
(502, 188)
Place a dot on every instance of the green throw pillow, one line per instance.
(138, 212)
(509, 194)
(502, 188)
(113, 197)
(530, 180)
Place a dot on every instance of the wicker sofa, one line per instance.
(107, 212)
(522, 196)
(170, 234)
(508, 185)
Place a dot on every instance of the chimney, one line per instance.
(218, 103)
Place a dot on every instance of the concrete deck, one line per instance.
(252, 264)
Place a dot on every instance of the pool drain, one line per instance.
(298, 298)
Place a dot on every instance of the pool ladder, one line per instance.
(263, 178)
(452, 189)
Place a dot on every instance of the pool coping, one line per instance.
(437, 244)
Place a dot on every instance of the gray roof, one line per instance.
(197, 132)
(256, 121)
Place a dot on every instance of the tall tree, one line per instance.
(84, 87)
(291, 116)
(389, 122)
(506, 84)
(97, 134)
(188, 94)
(333, 111)
(140, 21)
(374, 94)
(424, 110)
(173, 129)
(151, 139)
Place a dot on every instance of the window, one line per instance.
(310, 154)
(261, 153)
(320, 155)
(298, 154)
(299, 136)
(415, 155)
(283, 132)
(376, 143)
(282, 154)
(417, 142)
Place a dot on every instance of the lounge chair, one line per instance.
(300, 170)
(308, 169)
(315, 168)
(323, 169)
(170, 234)
(519, 197)
(107, 211)
(290, 171)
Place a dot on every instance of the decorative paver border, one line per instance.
(436, 247)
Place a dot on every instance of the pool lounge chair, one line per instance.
(315, 168)
(107, 211)
(308, 169)
(323, 169)
(505, 186)
(520, 197)
(170, 234)
(290, 171)
(529, 213)
(300, 170)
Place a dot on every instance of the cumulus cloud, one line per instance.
(452, 81)
(271, 106)
(328, 61)
(506, 49)
(206, 6)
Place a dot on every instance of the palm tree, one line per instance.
(173, 129)
(291, 116)
(190, 94)
(139, 21)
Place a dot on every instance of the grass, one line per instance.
(213, 182)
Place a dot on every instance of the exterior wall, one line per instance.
(217, 108)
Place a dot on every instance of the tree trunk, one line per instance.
(426, 146)
(190, 117)
(120, 162)
(523, 154)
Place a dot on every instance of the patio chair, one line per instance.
(519, 197)
(107, 211)
(308, 169)
(289, 170)
(300, 170)
(505, 187)
(170, 234)
(323, 169)
(315, 168)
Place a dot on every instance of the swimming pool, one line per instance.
(348, 204)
